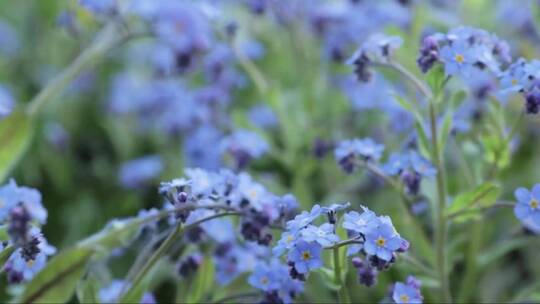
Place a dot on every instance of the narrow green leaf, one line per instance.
(202, 282)
(15, 134)
(5, 254)
(56, 283)
(422, 140)
(483, 196)
(445, 130)
(435, 78)
(88, 290)
(3, 233)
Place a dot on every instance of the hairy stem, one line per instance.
(165, 246)
(440, 219)
(343, 296)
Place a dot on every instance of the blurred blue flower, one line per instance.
(196, 152)
(287, 241)
(263, 117)
(7, 102)
(407, 293)
(9, 40)
(102, 7)
(137, 172)
(244, 146)
(305, 256)
(528, 205)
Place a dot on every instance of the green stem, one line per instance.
(343, 296)
(163, 248)
(107, 38)
(408, 75)
(440, 219)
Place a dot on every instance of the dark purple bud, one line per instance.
(19, 225)
(411, 180)
(30, 250)
(189, 265)
(367, 276)
(532, 102)
(321, 147)
(429, 53)
(182, 197)
(271, 297)
(405, 245)
(361, 68)
(295, 274)
(348, 164)
(357, 262)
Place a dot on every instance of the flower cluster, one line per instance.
(244, 146)
(21, 215)
(377, 48)
(350, 154)
(408, 292)
(274, 280)
(524, 77)
(411, 168)
(464, 51)
(527, 209)
(373, 236)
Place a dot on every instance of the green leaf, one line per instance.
(328, 278)
(483, 196)
(56, 283)
(444, 132)
(88, 290)
(499, 250)
(422, 140)
(15, 134)
(117, 234)
(202, 282)
(5, 254)
(435, 79)
(3, 233)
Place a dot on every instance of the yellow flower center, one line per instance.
(29, 263)
(264, 280)
(514, 81)
(290, 239)
(534, 204)
(404, 298)
(306, 255)
(459, 58)
(380, 241)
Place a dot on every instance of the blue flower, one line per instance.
(324, 234)
(305, 256)
(244, 146)
(357, 222)
(303, 219)
(7, 102)
(11, 195)
(286, 242)
(263, 117)
(458, 59)
(396, 164)
(106, 7)
(528, 205)
(348, 152)
(137, 172)
(382, 241)
(407, 293)
(264, 277)
(422, 166)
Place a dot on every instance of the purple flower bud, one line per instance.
(189, 265)
(405, 245)
(429, 53)
(19, 225)
(532, 102)
(411, 180)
